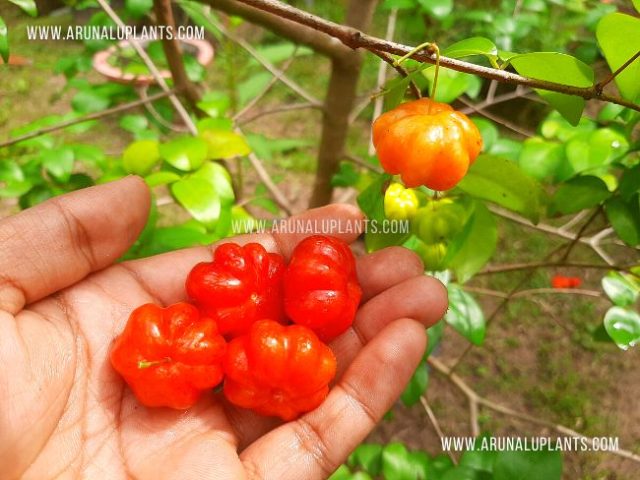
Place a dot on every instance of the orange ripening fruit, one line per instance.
(426, 143)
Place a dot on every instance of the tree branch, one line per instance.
(291, 30)
(173, 53)
(600, 85)
(85, 118)
(473, 396)
(355, 39)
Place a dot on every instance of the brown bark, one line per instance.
(173, 52)
(339, 101)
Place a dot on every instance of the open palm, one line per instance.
(64, 413)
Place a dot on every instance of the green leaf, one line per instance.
(488, 130)
(399, 4)
(134, 123)
(462, 473)
(521, 465)
(371, 200)
(199, 198)
(161, 178)
(541, 159)
(140, 157)
(59, 162)
(437, 8)
(15, 188)
(214, 104)
(480, 460)
(219, 178)
(27, 6)
(560, 68)
(617, 34)
(4, 41)
(367, 456)
(225, 144)
(434, 335)
(590, 151)
(395, 462)
(578, 194)
(185, 153)
(138, 8)
(416, 386)
(347, 175)
(503, 182)
(279, 52)
(465, 315)
(89, 101)
(473, 248)
(342, 473)
(636, 4)
(253, 86)
(623, 326)
(452, 84)
(470, 47)
(622, 291)
(630, 182)
(624, 218)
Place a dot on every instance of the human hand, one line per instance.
(64, 412)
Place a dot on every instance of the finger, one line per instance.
(422, 298)
(57, 243)
(163, 276)
(385, 268)
(313, 446)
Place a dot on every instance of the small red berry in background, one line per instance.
(560, 281)
(241, 285)
(321, 289)
(426, 143)
(169, 356)
(278, 370)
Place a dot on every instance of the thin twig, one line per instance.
(362, 162)
(398, 68)
(496, 118)
(533, 265)
(275, 71)
(267, 87)
(85, 118)
(473, 395)
(580, 233)
(184, 115)
(277, 195)
(278, 109)
(519, 92)
(142, 91)
(436, 425)
(356, 39)
(533, 291)
(600, 85)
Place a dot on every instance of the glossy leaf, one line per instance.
(134, 123)
(225, 144)
(89, 101)
(623, 326)
(4, 41)
(488, 130)
(470, 47)
(367, 456)
(161, 178)
(199, 198)
(578, 194)
(416, 386)
(140, 157)
(395, 462)
(342, 473)
(27, 6)
(526, 465)
(434, 336)
(622, 291)
(617, 34)
(503, 182)
(214, 104)
(541, 159)
(473, 248)
(452, 84)
(138, 8)
(630, 182)
(219, 178)
(185, 153)
(465, 315)
(624, 217)
(437, 8)
(560, 68)
(59, 163)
